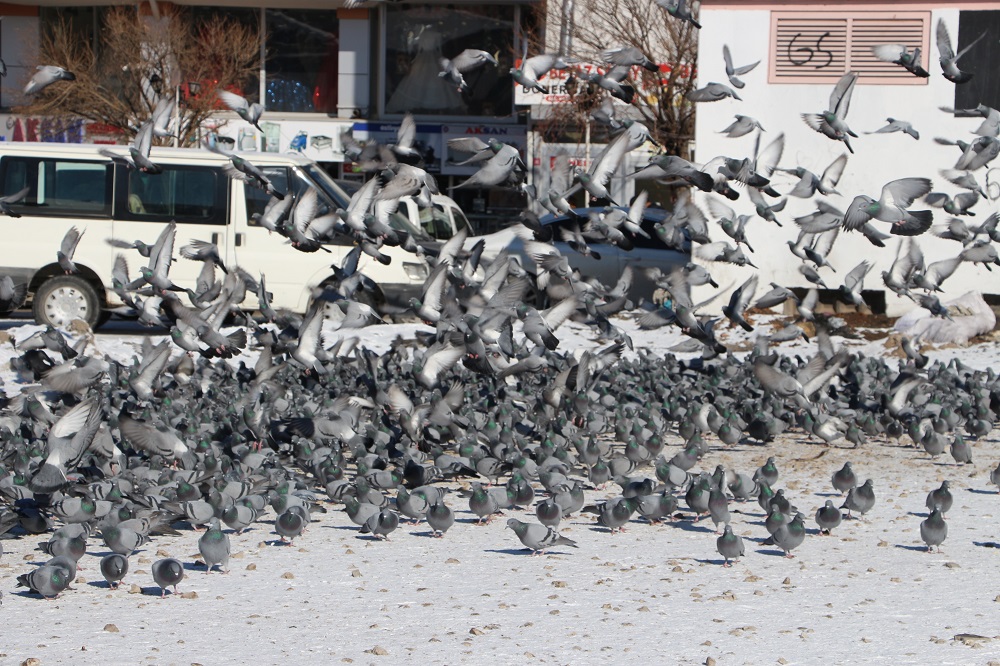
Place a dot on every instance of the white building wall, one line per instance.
(878, 159)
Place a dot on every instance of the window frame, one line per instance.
(901, 78)
(220, 208)
(40, 211)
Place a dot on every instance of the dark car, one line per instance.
(646, 253)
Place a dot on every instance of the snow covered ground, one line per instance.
(658, 594)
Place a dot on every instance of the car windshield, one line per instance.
(397, 221)
(322, 178)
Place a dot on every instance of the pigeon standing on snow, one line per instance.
(933, 530)
(114, 567)
(48, 581)
(860, 499)
(828, 517)
(730, 545)
(166, 573)
(214, 547)
(844, 478)
(538, 538)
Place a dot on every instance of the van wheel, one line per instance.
(62, 299)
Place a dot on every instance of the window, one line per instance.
(417, 37)
(436, 222)
(59, 187)
(815, 47)
(302, 53)
(980, 61)
(182, 194)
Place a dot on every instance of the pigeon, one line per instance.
(244, 109)
(735, 72)
(831, 122)
(712, 92)
(895, 125)
(680, 10)
(48, 581)
(214, 547)
(7, 201)
(289, 524)
(828, 517)
(900, 54)
(790, 536)
(948, 58)
(742, 126)
(67, 249)
(440, 517)
(45, 76)
(466, 61)
(538, 538)
(860, 499)
(114, 567)
(844, 478)
(961, 450)
(166, 573)
(730, 546)
(381, 524)
(891, 207)
(940, 498)
(933, 530)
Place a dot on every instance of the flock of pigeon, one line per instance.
(94, 451)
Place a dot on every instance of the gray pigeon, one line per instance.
(67, 249)
(790, 536)
(940, 498)
(933, 530)
(113, 568)
(412, 505)
(289, 524)
(718, 507)
(844, 478)
(46, 75)
(381, 524)
(961, 450)
(214, 547)
(48, 581)
(167, 572)
(860, 499)
(828, 517)
(549, 513)
(537, 537)
(122, 540)
(440, 517)
(995, 476)
(483, 503)
(730, 545)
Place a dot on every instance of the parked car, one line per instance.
(73, 185)
(646, 253)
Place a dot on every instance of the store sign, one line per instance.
(561, 84)
(515, 135)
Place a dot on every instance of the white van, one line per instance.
(73, 185)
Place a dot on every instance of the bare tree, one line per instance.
(141, 59)
(659, 100)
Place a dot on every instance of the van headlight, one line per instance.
(416, 271)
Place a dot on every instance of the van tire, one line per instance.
(60, 300)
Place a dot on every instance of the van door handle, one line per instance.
(215, 238)
(239, 240)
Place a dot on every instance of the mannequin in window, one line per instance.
(422, 90)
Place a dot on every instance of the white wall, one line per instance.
(877, 159)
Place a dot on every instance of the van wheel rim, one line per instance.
(64, 305)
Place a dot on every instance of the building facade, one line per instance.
(804, 48)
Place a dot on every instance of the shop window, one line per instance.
(417, 37)
(302, 50)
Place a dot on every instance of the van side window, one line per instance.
(181, 193)
(293, 183)
(58, 187)
(257, 198)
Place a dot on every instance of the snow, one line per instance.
(869, 592)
